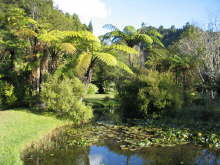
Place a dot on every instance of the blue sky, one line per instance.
(134, 12)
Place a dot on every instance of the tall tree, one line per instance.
(141, 38)
(98, 52)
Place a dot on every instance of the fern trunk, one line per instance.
(54, 63)
(89, 73)
(89, 76)
(35, 79)
(35, 72)
(44, 67)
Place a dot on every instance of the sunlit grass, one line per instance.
(99, 96)
(19, 128)
(100, 100)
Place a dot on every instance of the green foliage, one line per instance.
(101, 54)
(92, 89)
(129, 30)
(64, 96)
(83, 62)
(149, 93)
(106, 58)
(129, 36)
(7, 94)
(124, 67)
(124, 49)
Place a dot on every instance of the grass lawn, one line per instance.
(105, 107)
(101, 101)
(99, 96)
(19, 128)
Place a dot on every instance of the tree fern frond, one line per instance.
(31, 21)
(155, 33)
(116, 36)
(1, 41)
(25, 32)
(124, 48)
(124, 67)
(108, 59)
(68, 48)
(52, 36)
(159, 51)
(157, 41)
(145, 38)
(85, 35)
(130, 30)
(83, 63)
(110, 27)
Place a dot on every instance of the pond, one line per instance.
(109, 153)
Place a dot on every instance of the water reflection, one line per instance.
(103, 155)
(208, 157)
(110, 154)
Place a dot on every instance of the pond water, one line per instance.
(109, 153)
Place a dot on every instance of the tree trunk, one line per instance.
(35, 79)
(89, 73)
(130, 60)
(43, 66)
(54, 63)
(13, 58)
(35, 73)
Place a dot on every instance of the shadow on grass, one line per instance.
(37, 111)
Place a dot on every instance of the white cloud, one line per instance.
(95, 159)
(86, 9)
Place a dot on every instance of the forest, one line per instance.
(157, 86)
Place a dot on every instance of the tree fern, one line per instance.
(57, 35)
(124, 67)
(68, 48)
(152, 32)
(93, 52)
(110, 27)
(83, 63)
(85, 35)
(25, 33)
(52, 36)
(157, 41)
(145, 38)
(108, 59)
(124, 48)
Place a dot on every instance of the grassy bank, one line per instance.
(104, 106)
(19, 128)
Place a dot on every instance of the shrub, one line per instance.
(92, 89)
(64, 96)
(7, 94)
(149, 93)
